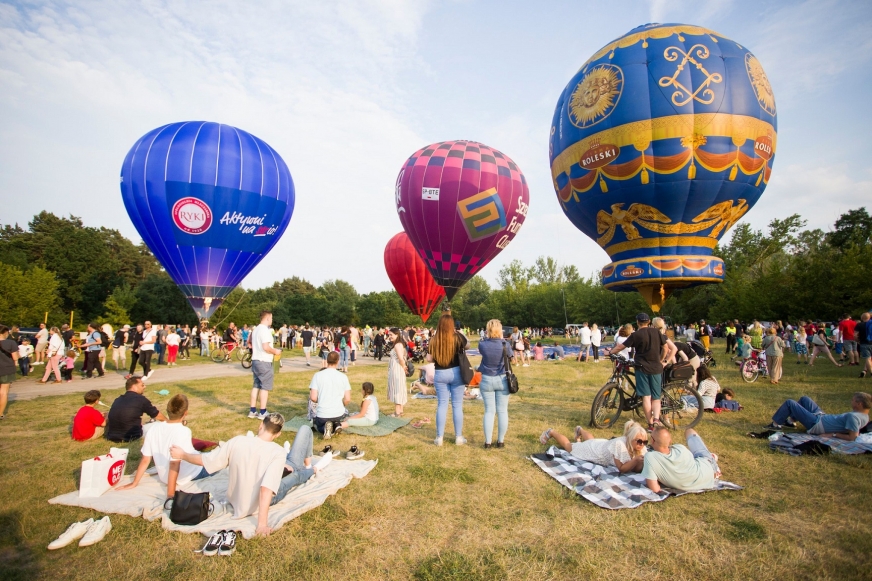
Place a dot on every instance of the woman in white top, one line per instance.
(368, 414)
(596, 337)
(173, 340)
(54, 352)
(707, 386)
(626, 453)
(623, 333)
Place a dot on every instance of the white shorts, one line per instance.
(307, 350)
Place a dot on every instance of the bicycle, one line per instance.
(680, 404)
(222, 353)
(754, 367)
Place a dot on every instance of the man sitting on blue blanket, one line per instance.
(842, 426)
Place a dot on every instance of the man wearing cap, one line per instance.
(651, 349)
(119, 347)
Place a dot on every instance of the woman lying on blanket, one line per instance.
(368, 414)
(626, 452)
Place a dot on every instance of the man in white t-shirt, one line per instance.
(158, 441)
(256, 467)
(262, 356)
(41, 344)
(146, 349)
(331, 391)
(585, 335)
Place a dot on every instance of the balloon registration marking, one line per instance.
(702, 52)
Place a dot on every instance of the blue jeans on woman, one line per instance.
(344, 357)
(495, 393)
(448, 381)
(300, 450)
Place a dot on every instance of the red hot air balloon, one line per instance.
(410, 277)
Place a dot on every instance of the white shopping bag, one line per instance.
(102, 473)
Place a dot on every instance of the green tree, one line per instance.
(115, 314)
(159, 300)
(26, 296)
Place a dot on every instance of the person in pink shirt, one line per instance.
(539, 352)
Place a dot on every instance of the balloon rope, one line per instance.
(244, 292)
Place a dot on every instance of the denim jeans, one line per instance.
(344, 357)
(698, 449)
(448, 382)
(495, 393)
(805, 411)
(300, 450)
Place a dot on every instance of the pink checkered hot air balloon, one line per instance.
(460, 202)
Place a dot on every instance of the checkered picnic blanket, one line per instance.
(788, 442)
(605, 486)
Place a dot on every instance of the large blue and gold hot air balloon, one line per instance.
(210, 201)
(660, 143)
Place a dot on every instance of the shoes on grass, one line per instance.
(210, 549)
(337, 428)
(262, 415)
(328, 449)
(73, 533)
(96, 531)
(354, 453)
(774, 426)
(438, 441)
(228, 544)
(253, 415)
(328, 430)
(459, 441)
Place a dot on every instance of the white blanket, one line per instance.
(147, 499)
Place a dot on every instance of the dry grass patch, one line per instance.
(452, 512)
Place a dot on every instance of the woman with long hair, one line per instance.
(446, 347)
(596, 338)
(53, 355)
(397, 373)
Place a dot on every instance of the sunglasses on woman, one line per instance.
(641, 442)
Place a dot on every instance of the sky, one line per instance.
(346, 91)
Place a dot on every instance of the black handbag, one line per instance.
(682, 370)
(189, 509)
(511, 378)
(467, 373)
(410, 368)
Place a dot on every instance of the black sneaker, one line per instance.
(337, 428)
(213, 544)
(773, 426)
(500, 445)
(862, 374)
(328, 430)
(228, 544)
(487, 446)
(789, 423)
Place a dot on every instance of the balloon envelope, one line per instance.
(410, 277)
(660, 143)
(209, 200)
(461, 203)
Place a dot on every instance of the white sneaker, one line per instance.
(253, 415)
(438, 441)
(263, 415)
(460, 440)
(73, 533)
(526, 365)
(150, 373)
(96, 532)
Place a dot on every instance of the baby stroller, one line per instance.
(705, 355)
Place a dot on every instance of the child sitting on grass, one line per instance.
(368, 414)
(88, 423)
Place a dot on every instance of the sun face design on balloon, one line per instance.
(596, 95)
(760, 83)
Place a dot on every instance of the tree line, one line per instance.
(786, 272)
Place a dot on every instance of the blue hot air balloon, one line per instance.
(210, 201)
(661, 141)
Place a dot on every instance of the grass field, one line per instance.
(464, 512)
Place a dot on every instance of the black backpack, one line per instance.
(104, 340)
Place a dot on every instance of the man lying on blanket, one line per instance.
(256, 466)
(676, 466)
(842, 426)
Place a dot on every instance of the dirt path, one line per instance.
(29, 389)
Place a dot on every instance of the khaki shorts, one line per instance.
(41, 346)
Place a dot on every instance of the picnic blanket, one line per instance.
(798, 444)
(385, 426)
(147, 499)
(605, 486)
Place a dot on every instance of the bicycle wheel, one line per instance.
(750, 371)
(218, 355)
(680, 406)
(607, 406)
(240, 353)
(246, 360)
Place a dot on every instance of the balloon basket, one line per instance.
(656, 277)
